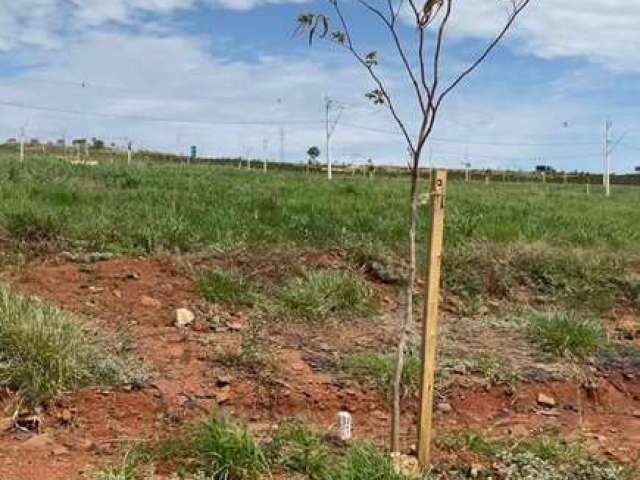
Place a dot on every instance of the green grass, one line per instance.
(45, 351)
(226, 450)
(542, 457)
(591, 280)
(566, 334)
(321, 295)
(297, 448)
(161, 207)
(219, 448)
(226, 286)
(374, 369)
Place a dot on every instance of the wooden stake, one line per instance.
(430, 315)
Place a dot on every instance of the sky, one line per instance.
(230, 77)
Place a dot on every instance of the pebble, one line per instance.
(546, 400)
(183, 317)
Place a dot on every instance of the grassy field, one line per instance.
(533, 274)
(141, 209)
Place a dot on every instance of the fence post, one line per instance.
(430, 315)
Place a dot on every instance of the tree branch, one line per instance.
(517, 9)
(396, 39)
(349, 46)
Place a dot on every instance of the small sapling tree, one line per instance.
(421, 61)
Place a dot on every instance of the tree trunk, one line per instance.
(407, 320)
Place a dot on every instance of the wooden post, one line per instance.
(430, 315)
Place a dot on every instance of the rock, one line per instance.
(235, 326)
(546, 401)
(223, 395)
(65, 416)
(405, 464)
(224, 380)
(384, 273)
(183, 317)
(444, 407)
(636, 414)
(148, 301)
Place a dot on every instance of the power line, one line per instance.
(157, 119)
(464, 142)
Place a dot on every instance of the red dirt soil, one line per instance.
(141, 295)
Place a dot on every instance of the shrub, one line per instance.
(565, 334)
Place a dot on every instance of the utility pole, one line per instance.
(265, 153)
(327, 109)
(282, 142)
(330, 128)
(607, 158)
(22, 144)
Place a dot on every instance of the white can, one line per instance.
(344, 422)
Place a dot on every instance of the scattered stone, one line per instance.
(475, 470)
(117, 293)
(151, 302)
(131, 276)
(65, 416)
(224, 380)
(235, 326)
(384, 273)
(183, 317)
(86, 445)
(444, 408)
(223, 395)
(636, 414)
(405, 464)
(546, 401)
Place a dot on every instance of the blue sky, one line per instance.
(199, 68)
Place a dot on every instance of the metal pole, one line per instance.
(328, 144)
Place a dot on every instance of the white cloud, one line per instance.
(604, 32)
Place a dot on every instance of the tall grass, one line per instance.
(44, 351)
(148, 208)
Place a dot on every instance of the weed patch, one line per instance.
(44, 351)
(226, 450)
(566, 334)
(226, 286)
(540, 458)
(377, 370)
(581, 280)
(319, 296)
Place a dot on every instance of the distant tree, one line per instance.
(422, 64)
(313, 153)
(637, 169)
(97, 143)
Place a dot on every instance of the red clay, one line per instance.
(141, 294)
